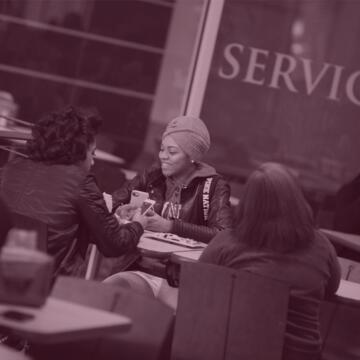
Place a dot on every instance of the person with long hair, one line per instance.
(275, 236)
(54, 185)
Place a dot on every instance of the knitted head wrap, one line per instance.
(190, 134)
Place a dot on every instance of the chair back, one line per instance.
(151, 332)
(227, 314)
(25, 222)
(152, 321)
(340, 328)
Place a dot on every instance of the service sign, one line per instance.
(284, 86)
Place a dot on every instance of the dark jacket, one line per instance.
(312, 274)
(192, 222)
(68, 200)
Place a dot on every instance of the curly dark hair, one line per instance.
(63, 137)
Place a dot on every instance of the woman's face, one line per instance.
(174, 162)
(90, 154)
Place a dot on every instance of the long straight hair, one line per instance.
(273, 213)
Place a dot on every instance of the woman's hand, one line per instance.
(142, 219)
(126, 212)
(158, 223)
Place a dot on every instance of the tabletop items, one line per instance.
(174, 239)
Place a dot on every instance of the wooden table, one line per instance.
(187, 255)
(351, 241)
(149, 248)
(60, 321)
(156, 255)
(349, 290)
(161, 249)
(156, 248)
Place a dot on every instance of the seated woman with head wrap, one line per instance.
(54, 185)
(192, 200)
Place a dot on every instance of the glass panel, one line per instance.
(39, 49)
(141, 22)
(125, 119)
(103, 54)
(120, 67)
(284, 86)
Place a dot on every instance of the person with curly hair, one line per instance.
(54, 185)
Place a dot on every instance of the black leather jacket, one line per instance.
(68, 200)
(192, 223)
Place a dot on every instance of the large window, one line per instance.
(94, 53)
(284, 86)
